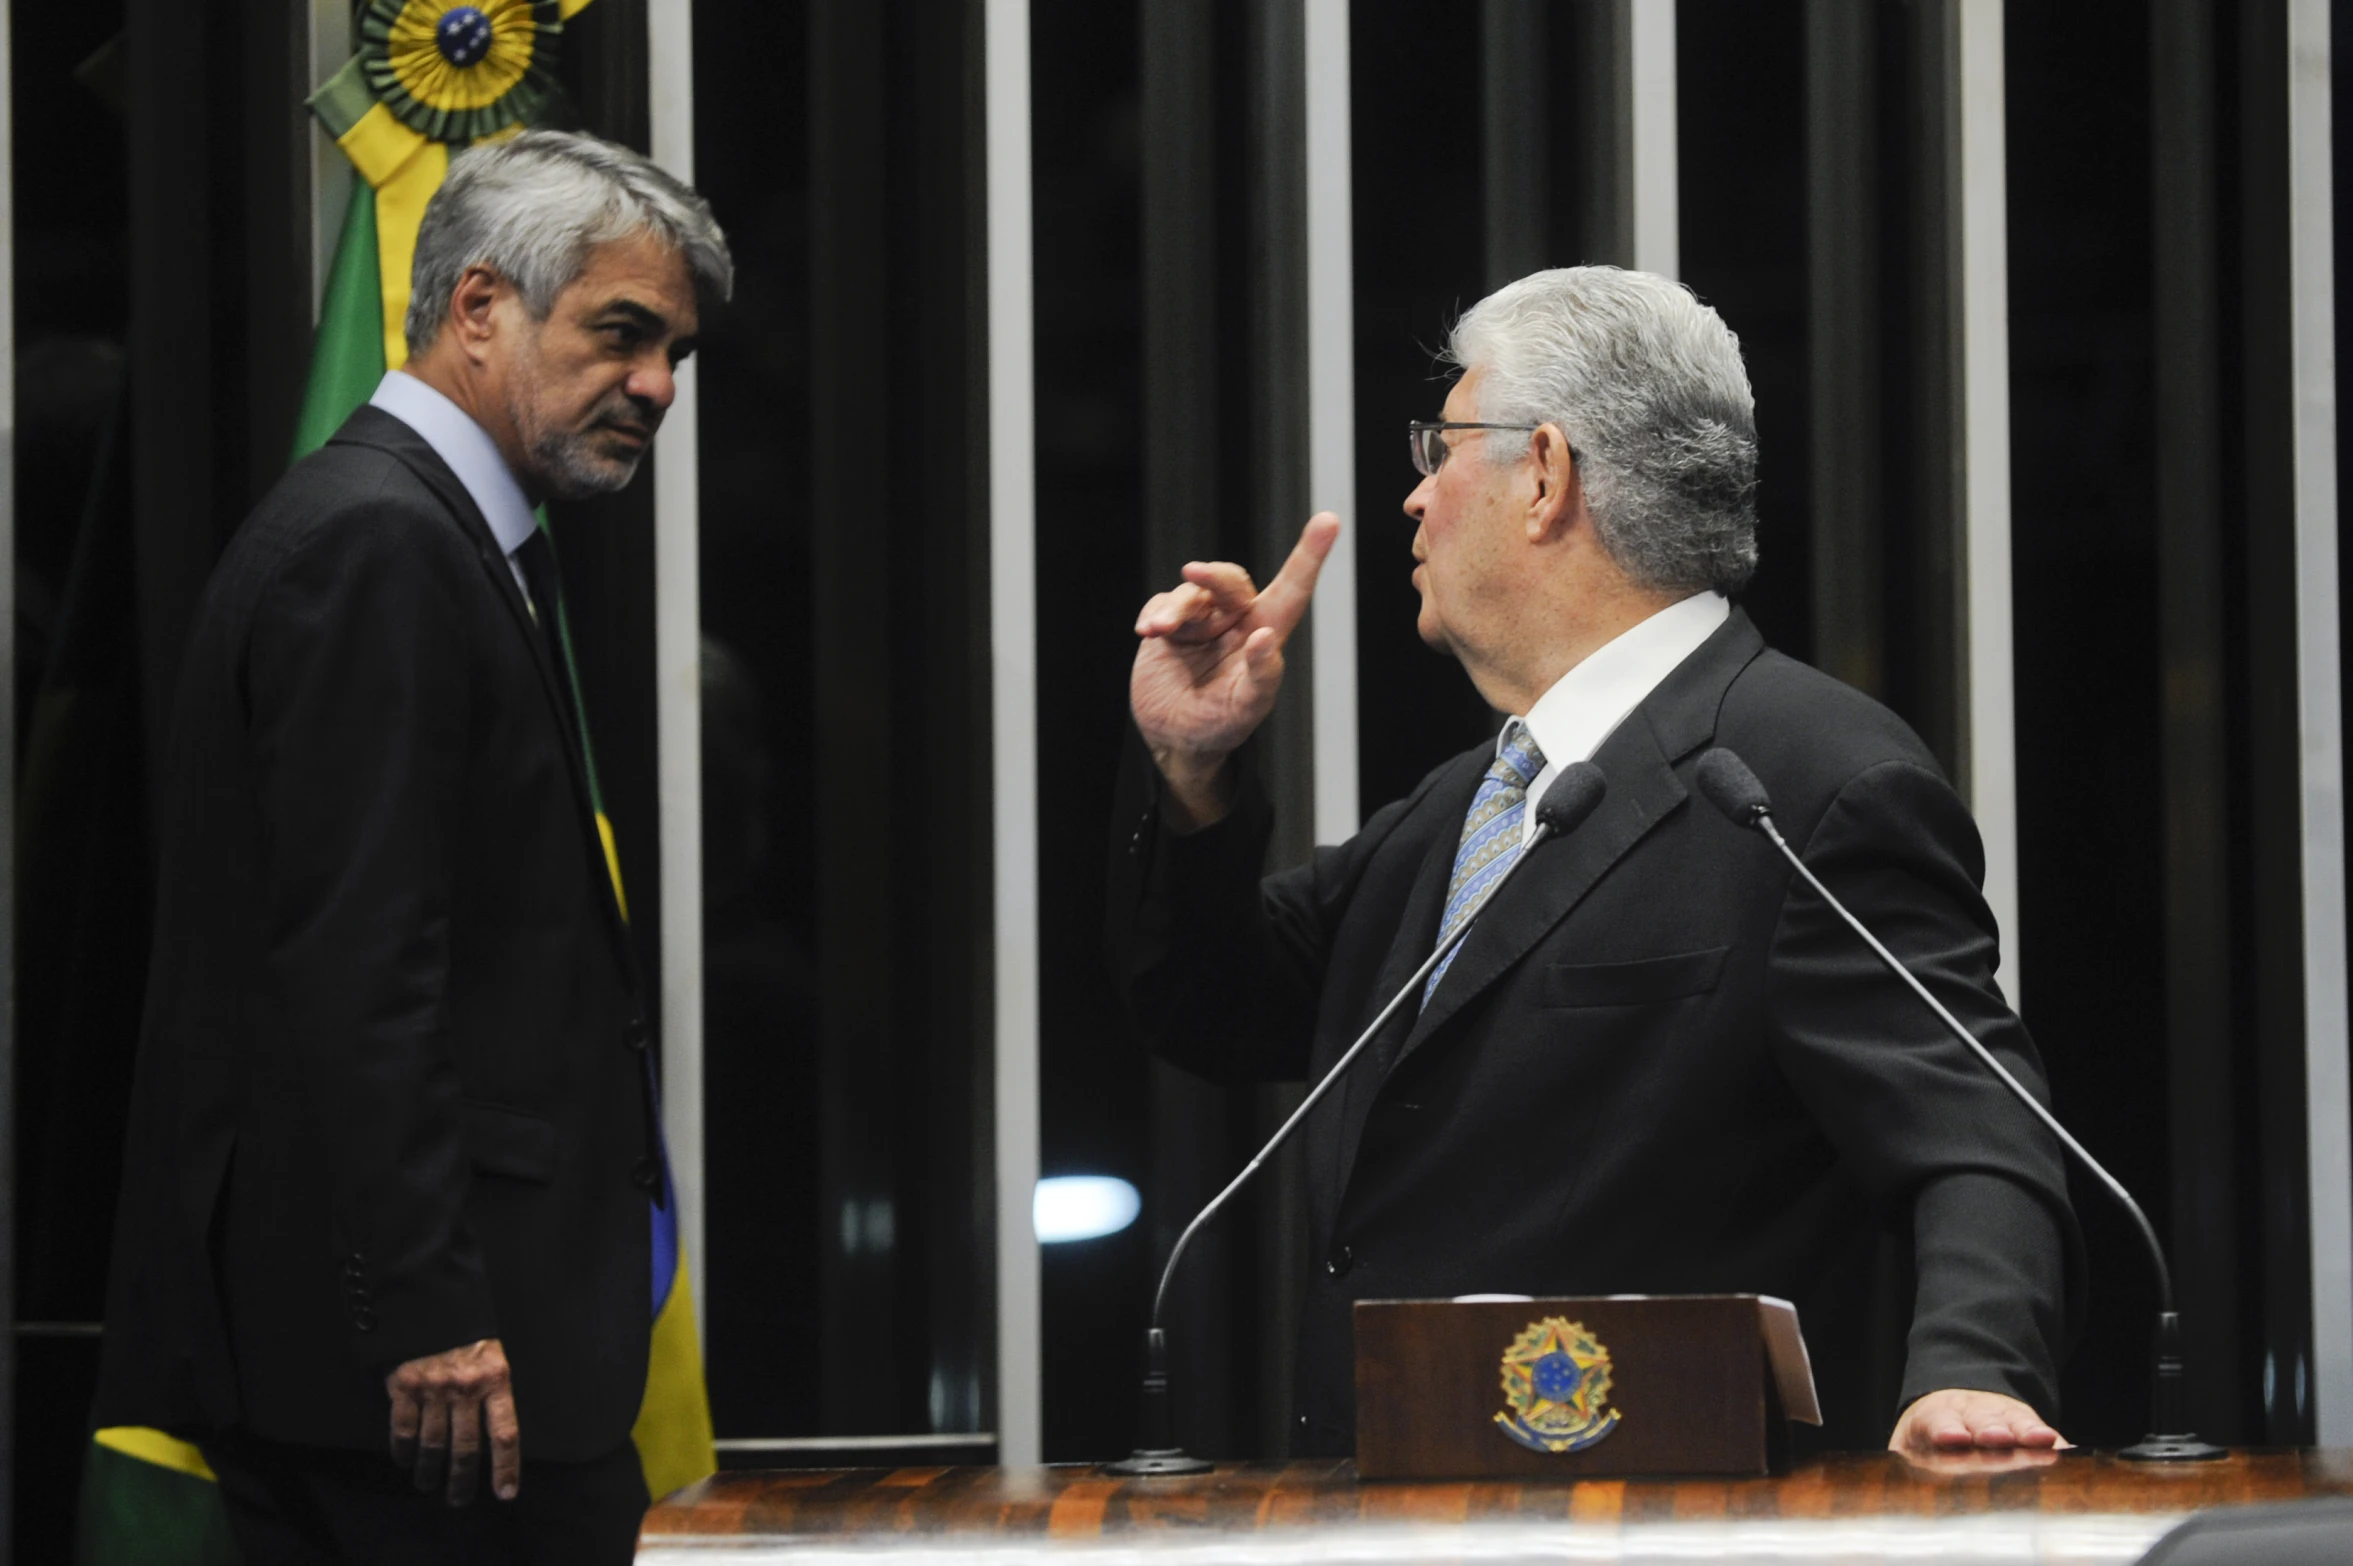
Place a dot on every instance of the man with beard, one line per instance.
(386, 1204)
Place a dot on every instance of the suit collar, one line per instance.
(1682, 710)
(466, 449)
(372, 427)
(1572, 718)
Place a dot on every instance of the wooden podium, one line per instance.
(1498, 1387)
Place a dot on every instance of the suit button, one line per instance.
(364, 1318)
(1341, 1259)
(634, 1034)
(645, 1174)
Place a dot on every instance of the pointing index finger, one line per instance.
(1285, 599)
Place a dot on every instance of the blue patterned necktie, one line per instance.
(1490, 836)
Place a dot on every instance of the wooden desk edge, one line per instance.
(1079, 1501)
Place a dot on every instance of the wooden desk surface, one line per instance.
(1853, 1507)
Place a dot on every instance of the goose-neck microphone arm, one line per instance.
(1736, 791)
(1573, 796)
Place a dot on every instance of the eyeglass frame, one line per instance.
(1416, 430)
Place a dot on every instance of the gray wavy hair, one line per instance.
(531, 208)
(1648, 384)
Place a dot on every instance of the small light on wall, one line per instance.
(1082, 1207)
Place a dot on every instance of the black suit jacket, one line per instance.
(392, 1092)
(1658, 1064)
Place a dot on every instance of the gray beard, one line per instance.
(564, 462)
(569, 469)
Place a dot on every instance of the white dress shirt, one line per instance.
(471, 454)
(1584, 705)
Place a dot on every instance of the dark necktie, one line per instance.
(537, 557)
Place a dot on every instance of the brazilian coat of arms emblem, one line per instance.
(1556, 1379)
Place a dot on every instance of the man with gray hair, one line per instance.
(1655, 1064)
(386, 1213)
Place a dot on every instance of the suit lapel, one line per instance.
(1417, 925)
(1643, 790)
(1417, 928)
(371, 426)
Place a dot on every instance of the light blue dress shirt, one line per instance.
(471, 454)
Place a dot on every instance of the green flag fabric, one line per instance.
(135, 1508)
(347, 359)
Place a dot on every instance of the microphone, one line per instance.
(1574, 795)
(1733, 789)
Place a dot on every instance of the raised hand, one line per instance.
(1211, 662)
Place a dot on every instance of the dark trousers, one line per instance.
(309, 1506)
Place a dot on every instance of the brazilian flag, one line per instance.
(428, 75)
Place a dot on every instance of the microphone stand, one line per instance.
(1572, 798)
(2167, 1403)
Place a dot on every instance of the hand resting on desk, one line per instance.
(1956, 1420)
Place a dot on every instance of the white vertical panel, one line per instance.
(1650, 44)
(678, 688)
(2329, 1138)
(330, 170)
(1013, 725)
(1992, 737)
(1331, 413)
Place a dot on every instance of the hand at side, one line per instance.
(1211, 663)
(440, 1406)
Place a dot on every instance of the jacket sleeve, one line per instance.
(1223, 970)
(357, 708)
(1929, 1130)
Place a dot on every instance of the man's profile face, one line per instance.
(586, 388)
(1461, 544)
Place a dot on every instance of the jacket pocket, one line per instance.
(510, 1142)
(1639, 983)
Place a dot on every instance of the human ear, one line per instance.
(1558, 497)
(472, 304)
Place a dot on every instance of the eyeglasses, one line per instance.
(1430, 448)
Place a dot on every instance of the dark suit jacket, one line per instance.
(1658, 1064)
(392, 1091)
